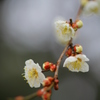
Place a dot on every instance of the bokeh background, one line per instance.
(26, 32)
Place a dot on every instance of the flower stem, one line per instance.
(60, 58)
(30, 96)
(35, 94)
(79, 12)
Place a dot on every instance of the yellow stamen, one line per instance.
(64, 31)
(33, 73)
(76, 64)
(95, 10)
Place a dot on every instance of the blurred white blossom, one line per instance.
(33, 74)
(77, 63)
(64, 32)
(91, 7)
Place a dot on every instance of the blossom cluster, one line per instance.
(75, 61)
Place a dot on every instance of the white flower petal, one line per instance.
(36, 83)
(85, 67)
(28, 62)
(68, 60)
(31, 82)
(71, 68)
(38, 68)
(41, 77)
(82, 56)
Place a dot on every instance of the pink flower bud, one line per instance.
(46, 65)
(68, 52)
(56, 81)
(40, 92)
(56, 87)
(46, 82)
(53, 68)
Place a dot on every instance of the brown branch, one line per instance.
(60, 58)
(79, 12)
(35, 94)
(30, 96)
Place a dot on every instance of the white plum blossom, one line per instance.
(91, 7)
(77, 63)
(33, 74)
(64, 32)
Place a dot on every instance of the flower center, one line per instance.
(33, 73)
(76, 64)
(95, 10)
(64, 31)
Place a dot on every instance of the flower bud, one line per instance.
(68, 52)
(79, 23)
(78, 48)
(56, 81)
(47, 65)
(40, 92)
(53, 68)
(50, 79)
(46, 96)
(75, 27)
(56, 87)
(46, 82)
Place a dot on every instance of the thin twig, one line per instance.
(35, 94)
(60, 58)
(79, 12)
(30, 96)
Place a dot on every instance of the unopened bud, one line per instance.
(79, 23)
(46, 82)
(56, 81)
(78, 48)
(75, 27)
(68, 52)
(40, 92)
(53, 68)
(46, 96)
(46, 65)
(50, 79)
(56, 87)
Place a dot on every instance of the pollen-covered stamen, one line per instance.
(77, 64)
(32, 73)
(95, 10)
(64, 30)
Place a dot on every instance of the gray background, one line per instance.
(26, 31)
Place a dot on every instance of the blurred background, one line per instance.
(26, 32)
